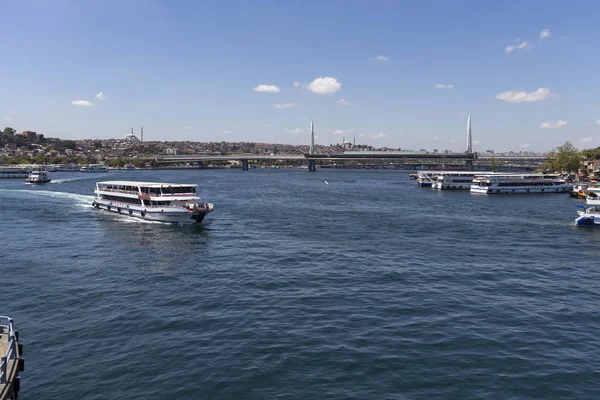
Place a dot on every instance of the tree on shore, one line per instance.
(493, 164)
(565, 158)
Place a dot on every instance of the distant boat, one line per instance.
(38, 176)
(94, 168)
(129, 166)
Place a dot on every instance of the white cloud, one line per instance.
(444, 86)
(436, 138)
(520, 97)
(100, 95)
(324, 85)
(224, 133)
(267, 89)
(475, 141)
(544, 34)
(8, 119)
(294, 131)
(379, 135)
(342, 132)
(452, 141)
(12, 112)
(381, 58)
(296, 84)
(343, 102)
(598, 122)
(525, 146)
(286, 105)
(83, 103)
(510, 49)
(557, 124)
(187, 128)
(586, 139)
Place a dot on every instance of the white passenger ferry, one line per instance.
(38, 176)
(165, 202)
(13, 173)
(519, 183)
(455, 180)
(94, 168)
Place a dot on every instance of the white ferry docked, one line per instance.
(165, 202)
(38, 176)
(519, 183)
(94, 168)
(455, 180)
(13, 173)
(426, 178)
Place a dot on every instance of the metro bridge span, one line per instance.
(415, 157)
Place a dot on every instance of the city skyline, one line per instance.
(391, 75)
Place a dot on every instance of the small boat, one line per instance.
(11, 362)
(38, 176)
(129, 166)
(163, 202)
(589, 216)
(582, 190)
(94, 168)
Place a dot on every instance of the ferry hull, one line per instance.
(438, 186)
(519, 190)
(38, 181)
(174, 216)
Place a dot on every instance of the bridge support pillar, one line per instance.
(312, 165)
(244, 165)
(469, 164)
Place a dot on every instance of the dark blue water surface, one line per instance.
(326, 285)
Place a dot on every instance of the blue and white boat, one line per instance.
(589, 214)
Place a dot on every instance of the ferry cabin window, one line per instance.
(159, 203)
(122, 199)
(179, 190)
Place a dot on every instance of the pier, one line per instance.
(11, 363)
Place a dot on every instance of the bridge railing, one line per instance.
(6, 328)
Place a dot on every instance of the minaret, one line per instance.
(469, 138)
(142, 134)
(311, 149)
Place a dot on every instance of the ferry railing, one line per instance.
(6, 327)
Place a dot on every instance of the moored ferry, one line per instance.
(426, 178)
(519, 183)
(94, 168)
(13, 173)
(455, 180)
(11, 362)
(164, 202)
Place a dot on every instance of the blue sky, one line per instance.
(191, 70)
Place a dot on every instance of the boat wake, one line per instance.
(81, 199)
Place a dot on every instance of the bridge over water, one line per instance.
(467, 160)
(417, 160)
